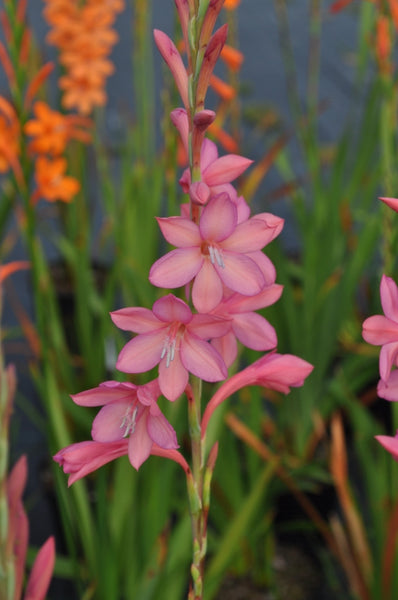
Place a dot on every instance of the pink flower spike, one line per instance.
(382, 330)
(78, 460)
(391, 202)
(41, 573)
(273, 371)
(178, 344)
(174, 61)
(389, 443)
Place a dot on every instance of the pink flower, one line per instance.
(214, 253)
(171, 336)
(78, 460)
(250, 328)
(83, 458)
(17, 540)
(129, 411)
(382, 330)
(273, 371)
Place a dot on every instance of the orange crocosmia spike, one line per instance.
(232, 57)
(383, 43)
(9, 138)
(7, 64)
(223, 89)
(52, 183)
(231, 4)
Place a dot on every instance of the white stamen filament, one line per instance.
(216, 256)
(129, 421)
(165, 347)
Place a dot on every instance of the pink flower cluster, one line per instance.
(382, 330)
(218, 261)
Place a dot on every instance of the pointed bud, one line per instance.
(174, 61)
(210, 58)
(209, 21)
(179, 118)
(199, 193)
(391, 202)
(204, 118)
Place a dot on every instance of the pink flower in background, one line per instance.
(213, 253)
(129, 411)
(391, 202)
(171, 336)
(382, 330)
(17, 540)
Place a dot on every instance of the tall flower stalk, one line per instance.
(219, 265)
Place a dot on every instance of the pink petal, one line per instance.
(387, 358)
(173, 379)
(174, 61)
(42, 570)
(227, 347)
(140, 443)
(104, 393)
(170, 309)
(180, 232)
(389, 389)
(389, 298)
(179, 118)
(160, 430)
(218, 219)
(238, 303)
(136, 319)
(225, 169)
(208, 155)
(208, 326)
(176, 268)
(249, 236)
(240, 274)
(389, 443)
(201, 359)
(149, 393)
(265, 265)
(274, 224)
(142, 353)
(391, 202)
(379, 330)
(253, 331)
(107, 424)
(207, 288)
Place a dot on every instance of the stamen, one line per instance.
(165, 347)
(129, 421)
(212, 253)
(219, 258)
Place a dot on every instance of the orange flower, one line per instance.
(232, 57)
(52, 183)
(231, 4)
(9, 137)
(226, 140)
(224, 90)
(82, 93)
(52, 130)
